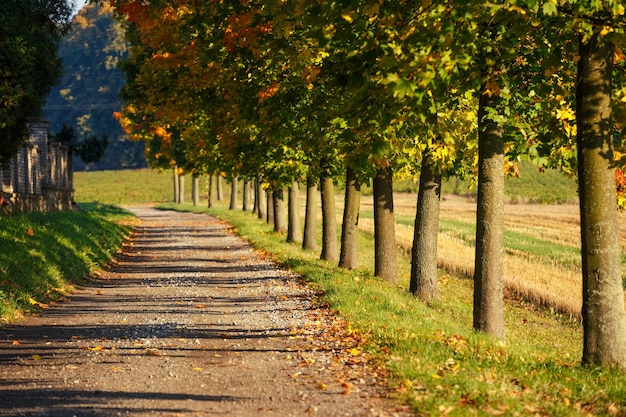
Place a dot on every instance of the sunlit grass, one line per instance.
(44, 254)
(437, 362)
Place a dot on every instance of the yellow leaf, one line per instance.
(36, 357)
(354, 352)
(322, 386)
(97, 348)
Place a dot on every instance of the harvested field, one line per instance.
(548, 272)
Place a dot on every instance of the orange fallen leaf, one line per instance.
(30, 232)
(347, 387)
(16, 343)
(200, 306)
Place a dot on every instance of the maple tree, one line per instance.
(287, 91)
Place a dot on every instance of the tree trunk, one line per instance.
(218, 184)
(234, 190)
(294, 229)
(385, 250)
(280, 213)
(261, 206)
(195, 190)
(270, 207)
(309, 240)
(210, 191)
(604, 322)
(255, 195)
(176, 184)
(246, 195)
(424, 282)
(348, 258)
(181, 189)
(329, 222)
(488, 267)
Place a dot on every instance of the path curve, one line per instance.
(188, 321)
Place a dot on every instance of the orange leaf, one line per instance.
(30, 232)
(16, 343)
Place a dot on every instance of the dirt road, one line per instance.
(189, 321)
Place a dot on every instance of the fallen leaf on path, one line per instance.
(152, 352)
(36, 357)
(37, 303)
(16, 343)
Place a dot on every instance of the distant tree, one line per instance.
(90, 150)
(30, 33)
(88, 91)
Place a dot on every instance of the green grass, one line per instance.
(44, 254)
(437, 362)
(127, 187)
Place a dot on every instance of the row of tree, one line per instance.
(293, 90)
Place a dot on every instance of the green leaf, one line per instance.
(549, 9)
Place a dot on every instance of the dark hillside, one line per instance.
(88, 92)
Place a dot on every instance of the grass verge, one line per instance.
(437, 362)
(44, 254)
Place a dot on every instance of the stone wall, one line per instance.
(40, 176)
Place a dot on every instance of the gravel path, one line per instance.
(189, 321)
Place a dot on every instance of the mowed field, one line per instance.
(542, 241)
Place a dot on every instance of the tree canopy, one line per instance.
(30, 34)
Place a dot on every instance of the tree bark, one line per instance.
(348, 257)
(246, 195)
(280, 213)
(330, 250)
(385, 250)
(195, 189)
(604, 322)
(424, 281)
(181, 189)
(270, 207)
(261, 204)
(220, 192)
(234, 190)
(176, 184)
(294, 229)
(488, 267)
(210, 191)
(309, 240)
(255, 195)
